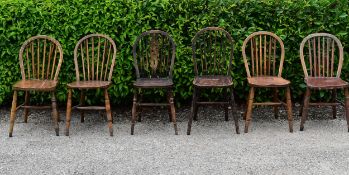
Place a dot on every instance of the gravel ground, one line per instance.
(213, 147)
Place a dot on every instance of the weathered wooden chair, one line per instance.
(94, 59)
(212, 55)
(263, 54)
(321, 56)
(154, 54)
(40, 59)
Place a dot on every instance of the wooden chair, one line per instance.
(322, 59)
(94, 59)
(154, 53)
(212, 55)
(40, 59)
(263, 54)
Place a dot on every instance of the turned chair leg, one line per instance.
(13, 113)
(82, 103)
(68, 115)
(289, 109)
(134, 112)
(173, 111)
(276, 99)
(249, 109)
(108, 110)
(191, 116)
(55, 113)
(305, 108)
(26, 103)
(346, 92)
(334, 107)
(234, 112)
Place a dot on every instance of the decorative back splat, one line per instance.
(154, 54)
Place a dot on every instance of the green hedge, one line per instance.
(124, 20)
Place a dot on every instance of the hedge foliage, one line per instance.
(124, 20)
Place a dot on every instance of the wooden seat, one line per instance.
(325, 82)
(263, 54)
(89, 84)
(153, 83)
(268, 81)
(40, 59)
(213, 81)
(38, 85)
(321, 56)
(94, 60)
(212, 52)
(153, 56)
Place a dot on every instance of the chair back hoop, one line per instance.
(212, 52)
(321, 55)
(38, 58)
(94, 58)
(154, 53)
(263, 53)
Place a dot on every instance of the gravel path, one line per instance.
(213, 147)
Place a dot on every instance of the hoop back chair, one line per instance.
(321, 56)
(154, 53)
(40, 59)
(263, 54)
(94, 59)
(212, 49)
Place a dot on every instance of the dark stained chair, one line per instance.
(263, 54)
(94, 59)
(212, 55)
(40, 59)
(321, 56)
(154, 54)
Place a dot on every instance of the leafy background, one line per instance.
(124, 20)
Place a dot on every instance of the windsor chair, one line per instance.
(263, 54)
(212, 49)
(154, 54)
(94, 59)
(321, 56)
(40, 59)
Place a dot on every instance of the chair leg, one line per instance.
(55, 113)
(245, 113)
(191, 116)
(302, 105)
(196, 105)
(276, 99)
(249, 109)
(68, 115)
(108, 111)
(305, 108)
(138, 108)
(233, 111)
(169, 108)
(289, 109)
(134, 112)
(334, 108)
(346, 92)
(226, 107)
(26, 110)
(13, 113)
(173, 111)
(82, 103)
